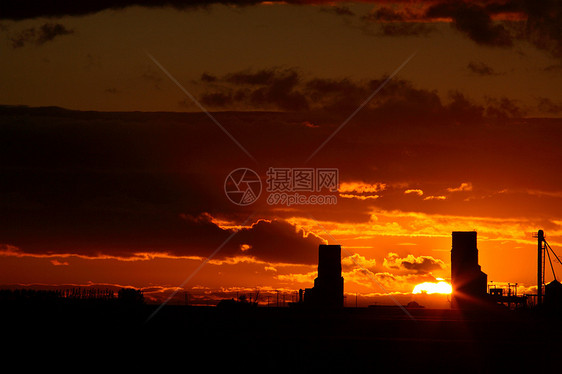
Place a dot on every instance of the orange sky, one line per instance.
(465, 136)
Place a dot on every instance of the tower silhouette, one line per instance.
(468, 280)
(328, 286)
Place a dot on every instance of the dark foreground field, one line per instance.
(80, 337)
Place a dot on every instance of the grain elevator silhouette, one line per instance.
(468, 281)
(328, 286)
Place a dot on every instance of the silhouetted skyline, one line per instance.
(381, 127)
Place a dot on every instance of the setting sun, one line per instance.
(431, 287)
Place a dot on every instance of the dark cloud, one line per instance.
(22, 37)
(117, 184)
(480, 68)
(423, 264)
(398, 22)
(503, 107)
(289, 90)
(124, 183)
(49, 31)
(205, 77)
(547, 106)
(420, 265)
(386, 14)
(339, 10)
(474, 21)
(25, 9)
(38, 36)
(279, 241)
(264, 89)
(535, 21)
(542, 27)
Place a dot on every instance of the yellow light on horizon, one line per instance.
(431, 287)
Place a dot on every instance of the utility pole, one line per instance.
(540, 240)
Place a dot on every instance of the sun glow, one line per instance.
(430, 287)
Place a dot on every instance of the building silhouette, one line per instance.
(468, 281)
(553, 296)
(328, 286)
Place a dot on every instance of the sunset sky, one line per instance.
(120, 122)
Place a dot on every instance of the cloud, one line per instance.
(440, 197)
(406, 224)
(59, 263)
(268, 241)
(501, 23)
(465, 186)
(339, 10)
(122, 201)
(357, 261)
(474, 21)
(25, 9)
(503, 107)
(359, 197)
(290, 90)
(555, 194)
(306, 278)
(39, 36)
(415, 192)
(361, 187)
(542, 27)
(205, 77)
(266, 88)
(496, 23)
(360, 190)
(361, 276)
(480, 68)
(420, 264)
(386, 14)
(547, 106)
(399, 22)
(279, 241)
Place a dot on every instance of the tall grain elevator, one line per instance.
(468, 281)
(328, 286)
